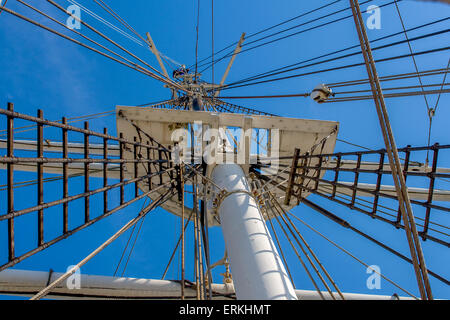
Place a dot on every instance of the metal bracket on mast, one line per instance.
(158, 57)
(235, 53)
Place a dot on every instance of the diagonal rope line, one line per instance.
(368, 204)
(443, 82)
(105, 22)
(298, 236)
(351, 255)
(196, 40)
(2, 5)
(310, 250)
(301, 65)
(132, 66)
(344, 49)
(412, 53)
(233, 85)
(269, 28)
(132, 222)
(111, 41)
(429, 110)
(281, 251)
(126, 25)
(212, 48)
(298, 256)
(347, 225)
(432, 111)
(328, 189)
(129, 238)
(209, 65)
(132, 247)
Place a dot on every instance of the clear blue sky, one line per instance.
(41, 70)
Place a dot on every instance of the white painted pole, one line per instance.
(24, 283)
(257, 269)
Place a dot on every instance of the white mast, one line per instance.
(257, 269)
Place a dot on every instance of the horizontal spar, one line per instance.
(56, 146)
(414, 193)
(26, 283)
(95, 169)
(367, 190)
(88, 132)
(372, 167)
(73, 169)
(82, 195)
(358, 188)
(16, 160)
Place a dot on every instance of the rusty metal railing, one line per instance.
(154, 157)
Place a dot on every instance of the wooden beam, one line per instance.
(158, 57)
(235, 53)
